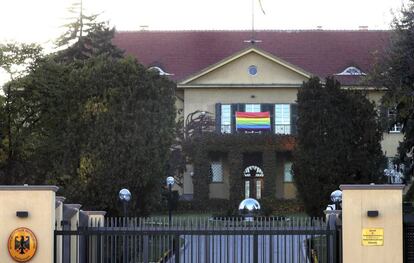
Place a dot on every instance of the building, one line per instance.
(224, 72)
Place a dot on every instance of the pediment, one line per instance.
(239, 69)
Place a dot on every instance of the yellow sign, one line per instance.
(22, 244)
(373, 236)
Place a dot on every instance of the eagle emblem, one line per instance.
(22, 245)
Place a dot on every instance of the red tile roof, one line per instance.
(320, 52)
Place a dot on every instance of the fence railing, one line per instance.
(274, 239)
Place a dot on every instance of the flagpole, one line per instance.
(252, 38)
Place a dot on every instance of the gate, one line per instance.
(276, 239)
(408, 230)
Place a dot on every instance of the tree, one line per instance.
(103, 123)
(16, 59)
(131, 121)
(395, 72)
(86, 36)
(91, 121)
(338, 142)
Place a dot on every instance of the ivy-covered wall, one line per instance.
(200, 148)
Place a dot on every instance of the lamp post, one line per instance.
(170, 183)
(125, 197)
(248, 208)
(336, 198)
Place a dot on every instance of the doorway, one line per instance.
(253, 176)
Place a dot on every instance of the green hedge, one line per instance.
(270, 206)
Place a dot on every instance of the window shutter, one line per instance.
(293, 118)
(233, 117)
(385, 121)
(271, 109)
(234, 108)
(218, 117)
(241, 107)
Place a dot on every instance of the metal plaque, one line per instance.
(373, 236)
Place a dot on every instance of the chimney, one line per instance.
(144, 27)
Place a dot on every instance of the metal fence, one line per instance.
(275, 239)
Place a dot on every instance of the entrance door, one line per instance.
(253, 182)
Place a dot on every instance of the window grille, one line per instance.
(216, 172)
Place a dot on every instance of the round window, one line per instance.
(253, 70)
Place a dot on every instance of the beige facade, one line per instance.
(233, 71)
(276, 82)
(205, 98)
(39, 202)
(357, 200)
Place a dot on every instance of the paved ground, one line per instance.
(239, 249)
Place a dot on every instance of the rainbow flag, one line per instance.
(253, 121)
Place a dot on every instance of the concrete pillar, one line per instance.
(95, 219)
(71, 217)
(39, 203)
(372, 223)
(58, 219)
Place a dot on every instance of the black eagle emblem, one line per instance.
(22, 245)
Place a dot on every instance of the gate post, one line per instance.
(176, 245)
(31, 207)
(145, 241)
(372, 225)
(255, 248)
(333, 222)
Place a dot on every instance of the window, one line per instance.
(247, 189)
(351, 71)
(258, 189)
(226, 118)
(160, 71)
(252, 70)
(396, 128)
(217, 172)
(252, 108)
(288, 175)
(392, 114)
(282, 118)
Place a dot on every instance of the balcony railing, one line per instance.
(277, 129)
(225, 128)
(283, 129)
